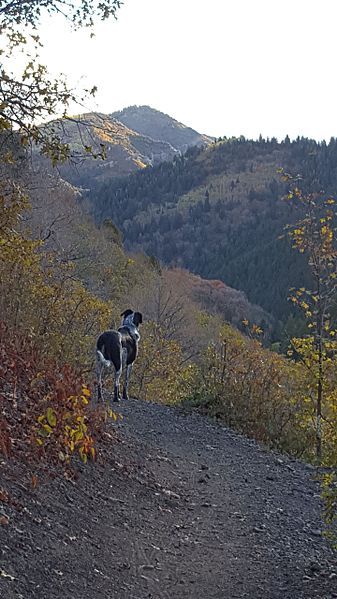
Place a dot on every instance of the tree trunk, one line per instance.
(319, 402)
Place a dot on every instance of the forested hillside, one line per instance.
(218, 212)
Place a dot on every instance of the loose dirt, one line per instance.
(176, 507)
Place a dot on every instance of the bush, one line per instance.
(255, 391)
(161, 372)
(41, 296)
(45, 408)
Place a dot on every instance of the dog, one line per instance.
(118, 348)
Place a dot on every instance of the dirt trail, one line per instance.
(177, 508)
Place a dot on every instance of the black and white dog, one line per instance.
(118, 348)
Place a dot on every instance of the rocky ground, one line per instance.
(175, 508)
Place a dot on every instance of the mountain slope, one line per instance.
(217, 298)
(157, 125)
(102, 264)
(157, 138)
(218, 212)
(126, 151)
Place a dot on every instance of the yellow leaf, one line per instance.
(51, 417)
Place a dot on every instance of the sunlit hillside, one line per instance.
(157, 125)
(95, 135)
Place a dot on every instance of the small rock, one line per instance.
(171, 494)
(316, 532)
(315, 567)
(259, 529)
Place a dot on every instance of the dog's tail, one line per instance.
(109, 349)
(102, 359)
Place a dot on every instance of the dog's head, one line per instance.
(131, 317)
(137, 318)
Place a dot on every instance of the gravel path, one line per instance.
(176, 508)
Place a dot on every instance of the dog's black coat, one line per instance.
(119, 348)
(109, 344)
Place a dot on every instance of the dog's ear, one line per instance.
(137, 318)
(127, 312)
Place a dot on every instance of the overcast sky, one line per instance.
(223, 67)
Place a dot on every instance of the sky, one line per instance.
(223, 67)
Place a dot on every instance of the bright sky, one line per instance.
(223, 67)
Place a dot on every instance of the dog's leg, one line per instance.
(119, 371)
(99, 369)
(126, 382)
(116, 355)
(116, 384)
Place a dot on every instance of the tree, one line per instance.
(32, 97)
(314, 235)
(40, 296)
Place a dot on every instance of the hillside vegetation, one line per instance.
(218, 212)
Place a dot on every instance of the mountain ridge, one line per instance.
(158, 125)
(122, 149)
(92, 135)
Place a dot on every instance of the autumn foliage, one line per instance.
(253, 390)
(161, 373)
(46, 338)
(45, 408)
(40, 294)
